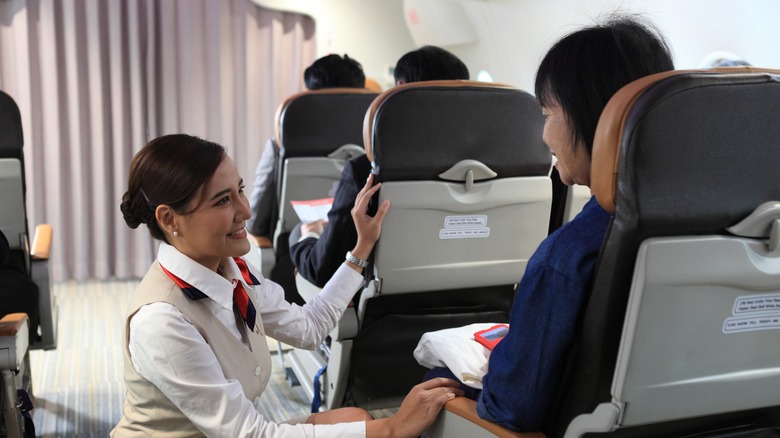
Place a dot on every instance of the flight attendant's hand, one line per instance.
(417, 411)
(368, 227)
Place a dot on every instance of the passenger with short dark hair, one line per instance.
(330, 71)
(334, 71)
(574, 82)
(196, 357)
(429, 63)
(316, 255)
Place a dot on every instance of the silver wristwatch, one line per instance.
(360, 263)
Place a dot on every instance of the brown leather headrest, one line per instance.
(609, 132)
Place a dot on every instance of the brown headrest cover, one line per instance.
(609, 132)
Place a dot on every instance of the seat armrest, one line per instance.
(467, 409)
(40, 273)
(11, 323)
(41, 245)
(347, 327)
(14, 340)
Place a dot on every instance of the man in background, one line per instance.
(331, 71)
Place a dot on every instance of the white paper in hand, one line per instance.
(312, 210)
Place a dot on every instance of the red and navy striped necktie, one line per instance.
(244, 304)
(240, 297)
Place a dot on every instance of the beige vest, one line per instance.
(147, 411)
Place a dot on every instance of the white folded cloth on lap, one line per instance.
(456, 349)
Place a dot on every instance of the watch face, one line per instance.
(352, 259)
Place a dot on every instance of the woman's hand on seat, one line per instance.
(418, 410)
(368, 227)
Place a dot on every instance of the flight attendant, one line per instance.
(195, 354)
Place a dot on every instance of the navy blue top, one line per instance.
(318, 259)
(524, 369)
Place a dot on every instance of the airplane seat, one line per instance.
(685, 305)
(470, 198)
(18, 292)
(465, 169)
(30, 262)
(12, 173)
(16, 393)
(316, 133)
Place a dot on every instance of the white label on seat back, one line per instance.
(765, 310)
(749, 324)
(465, 221)
(464, 233)
(465, 227)
(756, 303)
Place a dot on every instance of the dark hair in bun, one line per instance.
(168, 170)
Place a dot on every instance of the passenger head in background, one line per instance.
(318, 252)
(429, 63)
(579, 75)
(334, 71)
(331, 71)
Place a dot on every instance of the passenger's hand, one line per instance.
(418, 410)
(368, 228)
(317, 227)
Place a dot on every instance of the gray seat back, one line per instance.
(677, 329)
(466, 172)
(316, 132)
(465, 169)
(13, 217)
(26, 280)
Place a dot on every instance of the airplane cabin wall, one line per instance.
(373, 32)
(513, 35)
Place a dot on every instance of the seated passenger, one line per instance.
(196, 358)
(330, 71)
(320, 248)
(574, 82)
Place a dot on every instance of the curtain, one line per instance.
(96, 79)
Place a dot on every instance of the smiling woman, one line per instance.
(214, 229)
(196, 357)
(195, 331)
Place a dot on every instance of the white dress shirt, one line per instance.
(168, 351)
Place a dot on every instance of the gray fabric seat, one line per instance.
(466, 172)
(316, 133)
(22, 265)
(27, 308)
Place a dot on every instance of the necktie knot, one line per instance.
(244, 304)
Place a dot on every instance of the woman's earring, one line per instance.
(175, 234)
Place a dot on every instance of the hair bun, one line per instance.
(131, 218)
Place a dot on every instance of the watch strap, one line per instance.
(360, 263)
